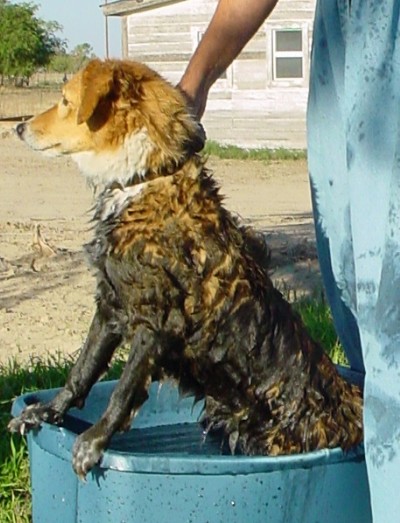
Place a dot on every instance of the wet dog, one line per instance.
(180, 281)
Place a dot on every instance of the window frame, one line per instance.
(273, 54)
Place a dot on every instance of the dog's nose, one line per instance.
(21, 129)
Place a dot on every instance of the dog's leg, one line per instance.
(126, 399)
(93, 360)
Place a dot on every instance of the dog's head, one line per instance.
(119, 120)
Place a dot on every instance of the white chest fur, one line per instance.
(114, 201)
(119, 164)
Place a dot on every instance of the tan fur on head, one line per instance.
(120, 121)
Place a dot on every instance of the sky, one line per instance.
(82, 22)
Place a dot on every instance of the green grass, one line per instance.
(233, 152)
(16, 379)
(317, 318)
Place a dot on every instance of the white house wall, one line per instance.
(248, 107)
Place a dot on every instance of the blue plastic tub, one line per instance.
(163, 471)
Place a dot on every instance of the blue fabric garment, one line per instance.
(354, 163)
(327, 152)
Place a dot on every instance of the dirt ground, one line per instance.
(46, 304)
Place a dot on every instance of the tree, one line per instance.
(63, 62)
(27, 42)
(82, 53)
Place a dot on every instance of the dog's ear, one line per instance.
(96, 81)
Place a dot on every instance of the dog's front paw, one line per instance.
(87, 452)
(32, 417)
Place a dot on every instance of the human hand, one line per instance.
(196, 99)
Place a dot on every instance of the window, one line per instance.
(288, 55)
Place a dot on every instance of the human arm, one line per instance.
(234, 23)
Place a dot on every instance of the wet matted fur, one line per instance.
(181, 282)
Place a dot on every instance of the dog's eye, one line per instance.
(64, 101)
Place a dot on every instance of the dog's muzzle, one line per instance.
(20, 129)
